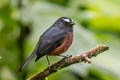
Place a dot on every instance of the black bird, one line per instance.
(54, 41)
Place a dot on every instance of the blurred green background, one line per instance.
(23, 21)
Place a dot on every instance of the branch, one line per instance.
(65, 62)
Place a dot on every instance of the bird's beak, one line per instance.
(72, 23)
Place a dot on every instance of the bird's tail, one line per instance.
(27, 61)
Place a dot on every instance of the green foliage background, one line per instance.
(23, 21)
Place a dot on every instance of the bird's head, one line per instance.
(66, 21)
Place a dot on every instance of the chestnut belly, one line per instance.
(64, 46)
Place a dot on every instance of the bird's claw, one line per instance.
(49, 66)
(68, 56)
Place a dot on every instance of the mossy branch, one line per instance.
(65, 62)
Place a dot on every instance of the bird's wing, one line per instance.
(49, 41)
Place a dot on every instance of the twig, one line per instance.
(65, 62)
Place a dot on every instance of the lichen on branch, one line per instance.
(65, 62)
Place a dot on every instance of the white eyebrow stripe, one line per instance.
(66, 20)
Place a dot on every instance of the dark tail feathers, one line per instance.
(28, 60)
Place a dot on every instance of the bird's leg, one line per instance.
(65, 56)
(50, 64)
(48, 61)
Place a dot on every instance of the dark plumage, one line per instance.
(54, 41)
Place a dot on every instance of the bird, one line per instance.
(54, 41)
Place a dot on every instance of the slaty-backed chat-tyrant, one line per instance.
(54, 41)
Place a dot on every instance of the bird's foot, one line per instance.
(49, 66)
(65, 56)
(69, 56)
